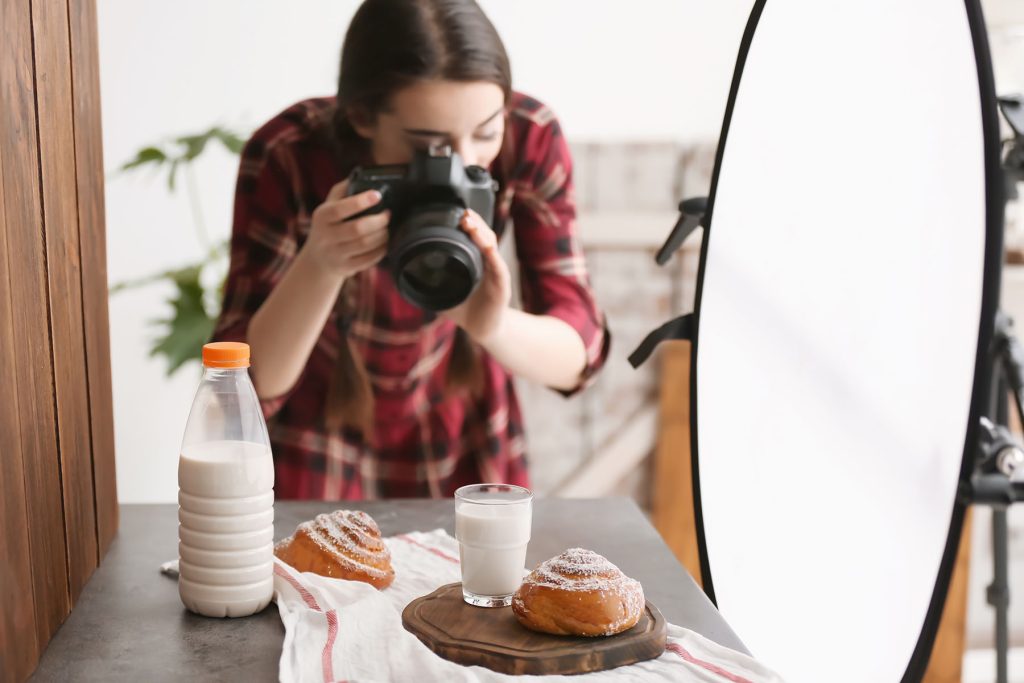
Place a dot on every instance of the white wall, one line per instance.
(617, 71)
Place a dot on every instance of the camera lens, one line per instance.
(437, 275)
(435, 264)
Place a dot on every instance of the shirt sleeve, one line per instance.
(263, 245)
(553, 274)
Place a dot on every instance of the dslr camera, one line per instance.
(435, 265)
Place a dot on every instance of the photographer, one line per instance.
(366, 394)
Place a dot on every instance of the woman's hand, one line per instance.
(482, 313)
(338, 247)
(286, 327)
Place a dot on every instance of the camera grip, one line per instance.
(359, 184)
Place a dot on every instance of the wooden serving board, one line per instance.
(491, 637)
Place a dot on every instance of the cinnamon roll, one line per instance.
(344, 544)
(578, 593)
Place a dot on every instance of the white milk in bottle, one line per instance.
(226, 492)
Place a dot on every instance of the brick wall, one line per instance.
(626, 197)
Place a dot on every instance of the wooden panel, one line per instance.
(673, 513)
(31, 347)
(60, 226)
(89, 172)
(17, 612)
(54, 343)
(948, 652)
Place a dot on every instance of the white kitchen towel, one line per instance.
(339, 630)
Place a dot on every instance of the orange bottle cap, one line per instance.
(226, 355)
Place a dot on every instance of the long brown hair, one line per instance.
(389, 45)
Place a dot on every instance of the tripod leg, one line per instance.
(999, 591)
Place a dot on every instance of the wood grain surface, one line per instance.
(58, 500)
(491, 637)
(92, 238)
(31, 349)
(63, 267)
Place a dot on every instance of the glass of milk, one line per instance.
(492, 525)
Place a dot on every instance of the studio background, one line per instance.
(640, 89)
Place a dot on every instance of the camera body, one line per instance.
(435, 264)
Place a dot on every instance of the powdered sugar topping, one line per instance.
(579, 570)
(352, 537)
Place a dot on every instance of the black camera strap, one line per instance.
(677, 328)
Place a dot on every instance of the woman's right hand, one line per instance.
(339, 247)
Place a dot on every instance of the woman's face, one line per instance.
(467, 116)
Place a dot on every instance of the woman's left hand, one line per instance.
(482, 313)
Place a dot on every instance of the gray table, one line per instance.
(130, 625)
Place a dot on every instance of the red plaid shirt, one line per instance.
(426, 444)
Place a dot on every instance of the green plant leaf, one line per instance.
(183, 334)
(146, 155)
(172, 174)
(174, 274)
(194, 144)
(189, 327)
(233, 142)
(171, 275)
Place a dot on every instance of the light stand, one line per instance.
(999, 457)
(1000, 454)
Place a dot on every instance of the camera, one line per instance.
(434, 263)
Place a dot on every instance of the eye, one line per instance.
(485, 137)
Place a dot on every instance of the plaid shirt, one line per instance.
(426, 443)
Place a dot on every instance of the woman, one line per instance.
(367, 396)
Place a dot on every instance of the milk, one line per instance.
(492, 547)
(226, 527)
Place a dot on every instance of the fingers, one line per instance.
(357, 235)
(357, 229)
(340, 209)
(367, 260)
(487, 241)
(494, 262)
(347, 261)
(478, 230)
(365, 241)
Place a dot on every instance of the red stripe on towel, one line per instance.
(332, 633)
(327, 658)
(439, 553)
(681, 651)
(306, 596)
